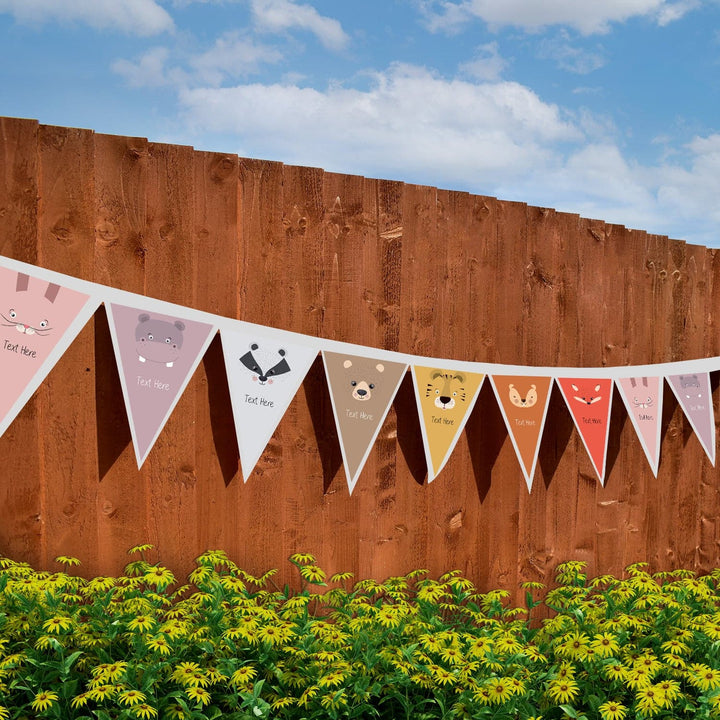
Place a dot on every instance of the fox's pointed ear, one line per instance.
(575, 388)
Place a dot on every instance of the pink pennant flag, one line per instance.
(643, 398)
(589, 401)
(693, 393)
(156, 354)
(38, 321)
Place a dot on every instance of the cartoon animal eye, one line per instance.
(372, 386)
(13, 313)
(150, 336)
(168, 340)
(44, 323)
(353, 383)
(437, 392)
(455, 393)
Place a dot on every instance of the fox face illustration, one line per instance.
(586, 396)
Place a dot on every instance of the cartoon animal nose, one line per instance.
(362, 393)
(262, 378)
(444, 399)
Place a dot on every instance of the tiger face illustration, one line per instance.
(447, 388)
(526, 400)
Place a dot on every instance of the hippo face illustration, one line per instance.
(157, 340)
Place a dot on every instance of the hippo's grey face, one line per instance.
(158, 340)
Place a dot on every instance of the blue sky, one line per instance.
(608, 109)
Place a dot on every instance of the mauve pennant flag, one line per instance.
(524, 403)
(589, 401)
(643, 398)
(263, 376)
(156, 354)
(39, 320)
(693, 393)
(445, 399)
(361, 390)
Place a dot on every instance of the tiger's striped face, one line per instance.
(447, 389)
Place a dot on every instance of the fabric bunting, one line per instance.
(158, 346)
(361, 390)
(693, 393)
(524, 403)
(39, 321)
(445, 399)
(643, 400)
(589, 401)
(156, 355)
(263, 377)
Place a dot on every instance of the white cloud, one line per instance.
(570, 57)
(409, 123)
(141, 17)
(281, 15)
(231, 56)
(531, 15)
(487, 63)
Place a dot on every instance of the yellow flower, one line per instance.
(303, 559)
(159, 644)
(508, 645)
(675, 647)
(273, 634)
(605, 644)
(388, 617)
(44, 700)
(638, 677)
(57, 623)
(649, 701)
(670, 690)
(573, 646)
(562, 691)
(234, 584)
(705, 678)
(332, 679)
(175, 712)
(142, 623)
(4, 713)
(100, 692)
(612, 710)
(478, 647)
(442, 676)
(243, 675)
(334, 701)
(200, 695)
(131, 697)
(144, 711)
(67, 560)
(79, 700)
(451, 656)
(140, 549)
(184, 672)
(500, 690)
(313, 574)
(159, 577)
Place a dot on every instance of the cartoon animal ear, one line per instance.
(347, 364)
(574, 387)
(254, 346)
(52, 292)
(533, 387)
(633, 383)
(22, 282)
(179, 325)
(380, 367)
(281, 352)
(436, 375)
(597, 388)
(144, 317)
(460, 377)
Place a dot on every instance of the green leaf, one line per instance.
(569, 711)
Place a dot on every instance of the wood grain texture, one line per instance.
(374, 262)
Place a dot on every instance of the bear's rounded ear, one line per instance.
(144, 317)
(347, 364)
(380, 367)
(510, 386)
(254, 346)
(533, 387)
(281, 352)
(179, 325)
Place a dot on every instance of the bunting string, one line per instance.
(158, 345)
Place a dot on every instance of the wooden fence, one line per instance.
(374, 262)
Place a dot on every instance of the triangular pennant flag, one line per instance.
(361, 391)
(39, 320)
(263, 376)
(643, 398)
(524, 402)
(589, 401)
(445, 399)
(156, 354)
(693, 393)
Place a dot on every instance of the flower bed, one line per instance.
(234, 646)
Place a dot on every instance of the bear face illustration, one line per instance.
(526, 400)
(256, 359)
(447, 388)
(362, 386)
(31, 308)
(587, 395)
(157, 340)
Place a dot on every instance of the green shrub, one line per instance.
(234, 646)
